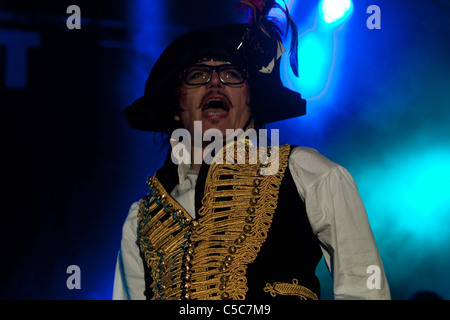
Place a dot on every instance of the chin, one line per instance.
(221, 124)
(220, 127)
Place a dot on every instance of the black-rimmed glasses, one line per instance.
(201, 74)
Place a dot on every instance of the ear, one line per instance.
(176, 117)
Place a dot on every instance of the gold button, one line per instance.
(225, 296)
(223, 268)
(194, 224)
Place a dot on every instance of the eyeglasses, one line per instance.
(201, 74)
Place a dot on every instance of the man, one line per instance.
(226, 229)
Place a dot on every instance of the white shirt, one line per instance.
(336, 214)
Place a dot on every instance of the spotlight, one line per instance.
(335, 10)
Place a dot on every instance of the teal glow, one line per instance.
(411, 193)
(422, 187)
(431, 182)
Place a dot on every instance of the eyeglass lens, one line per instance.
(202, 74)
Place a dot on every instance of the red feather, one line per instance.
(253, 8)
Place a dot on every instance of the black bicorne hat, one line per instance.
(254, 48)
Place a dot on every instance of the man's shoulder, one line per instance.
(306, 156)
(309, 162)
(133, 212)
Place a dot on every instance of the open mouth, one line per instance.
(215, 108)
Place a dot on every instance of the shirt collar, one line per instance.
(185, 167)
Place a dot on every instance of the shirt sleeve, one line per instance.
(339, 220)
(129, 281)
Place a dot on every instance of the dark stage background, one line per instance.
(378, 104)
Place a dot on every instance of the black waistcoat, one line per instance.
(289, 256)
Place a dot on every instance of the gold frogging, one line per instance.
(207, 258)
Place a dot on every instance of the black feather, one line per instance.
(265, 30)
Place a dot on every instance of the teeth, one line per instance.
(215, 112)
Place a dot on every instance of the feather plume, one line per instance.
(293, 51)
(258, 15)
(253, 9)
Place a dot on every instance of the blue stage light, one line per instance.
(315, 54)
(335, 10)
(318, 50)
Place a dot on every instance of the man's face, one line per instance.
(217, 105)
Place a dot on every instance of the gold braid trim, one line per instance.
(235, 218)
(291, 289)
(207, 258)
(163, 230)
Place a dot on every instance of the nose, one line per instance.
(215, 80)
